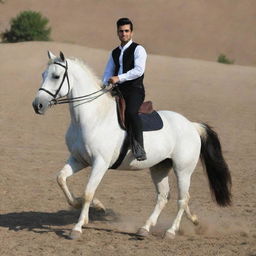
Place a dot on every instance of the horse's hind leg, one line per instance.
(71, 167)
(191, 216)
(159, 174)
(183, 179)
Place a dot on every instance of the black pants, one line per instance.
(133, 97)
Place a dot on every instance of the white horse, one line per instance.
(94, 138)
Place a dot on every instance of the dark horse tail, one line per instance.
(216, 167)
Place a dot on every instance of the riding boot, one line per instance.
(138, 151)
(137, 146)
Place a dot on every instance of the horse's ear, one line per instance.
(62, 57)
(51, 55)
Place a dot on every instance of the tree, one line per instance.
(27, 26)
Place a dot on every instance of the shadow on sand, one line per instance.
(42, 222)
(45, 222)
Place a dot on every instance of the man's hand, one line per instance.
(108, 86)
(113, 80)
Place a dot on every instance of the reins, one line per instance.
(85, 98)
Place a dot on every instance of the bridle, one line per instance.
(86, 98)
(63, 79)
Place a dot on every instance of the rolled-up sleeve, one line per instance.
(140, 57)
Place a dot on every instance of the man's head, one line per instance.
(124, 30)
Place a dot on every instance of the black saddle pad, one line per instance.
(151, 122)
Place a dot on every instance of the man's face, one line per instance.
(124, 33)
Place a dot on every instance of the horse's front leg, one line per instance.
(99, 168)
(71, 167)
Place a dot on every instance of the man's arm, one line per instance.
(109, 70)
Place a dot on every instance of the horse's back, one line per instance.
(176, 137)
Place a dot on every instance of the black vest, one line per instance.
(128, 64)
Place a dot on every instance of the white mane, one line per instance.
(87, 69)
(82, 64)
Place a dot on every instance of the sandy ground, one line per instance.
(201, 29)
(34, 216)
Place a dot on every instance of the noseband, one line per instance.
(86, 98)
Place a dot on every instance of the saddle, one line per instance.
(145, 108)
(151, 121)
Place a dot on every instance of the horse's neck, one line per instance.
(93, 113)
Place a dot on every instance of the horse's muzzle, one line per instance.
(39, 107)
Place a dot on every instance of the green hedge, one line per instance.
(224, 59)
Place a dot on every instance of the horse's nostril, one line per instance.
(40, 106)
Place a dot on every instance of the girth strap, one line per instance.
(122, 154)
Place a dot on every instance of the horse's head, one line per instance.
(55, 83)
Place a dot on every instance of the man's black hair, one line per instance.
(124, 21)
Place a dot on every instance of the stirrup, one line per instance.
(143, 157)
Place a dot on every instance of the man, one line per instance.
(125, 69)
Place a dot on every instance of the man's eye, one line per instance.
(55, 76)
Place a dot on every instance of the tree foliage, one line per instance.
(27, 26)
(224, 59)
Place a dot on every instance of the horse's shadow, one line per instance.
(44, 222)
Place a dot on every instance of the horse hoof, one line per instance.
(74, 234)
(195, 220)
(142, 232)
(98, 205)
(78, 203)
(169, 236)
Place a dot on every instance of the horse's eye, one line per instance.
(55, 76)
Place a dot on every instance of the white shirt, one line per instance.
(140, 57)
